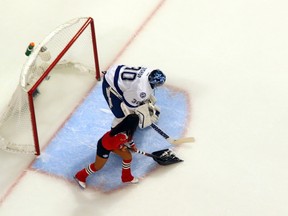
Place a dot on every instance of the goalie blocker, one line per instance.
(148, 114)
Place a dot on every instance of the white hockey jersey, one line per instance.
(131, 83)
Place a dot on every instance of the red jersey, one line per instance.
(114, 142)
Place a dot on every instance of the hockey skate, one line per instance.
(81, 184)
(133, 181)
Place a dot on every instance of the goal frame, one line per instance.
(89, 22)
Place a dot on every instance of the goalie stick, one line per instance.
(170, 139)
(155, 127)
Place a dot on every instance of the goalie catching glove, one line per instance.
(148, 114)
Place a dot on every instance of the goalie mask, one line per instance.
(128, 125)
(156, 78)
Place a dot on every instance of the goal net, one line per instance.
(58, 74)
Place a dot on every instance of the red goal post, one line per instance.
(57, 76)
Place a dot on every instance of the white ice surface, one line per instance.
(230, 57)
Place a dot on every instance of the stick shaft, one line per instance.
(170, 139)
(160, 131)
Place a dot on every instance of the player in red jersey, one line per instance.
(118, 140)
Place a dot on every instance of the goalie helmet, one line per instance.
(156, 78)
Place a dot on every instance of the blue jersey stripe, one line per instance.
(116, 78)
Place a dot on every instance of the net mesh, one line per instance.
(60, 72)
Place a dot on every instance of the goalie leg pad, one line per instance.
(154, 112)
(152, 99)
(144, 116)
(148, 114)
(125, 109)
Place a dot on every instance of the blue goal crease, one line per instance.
(74, 146)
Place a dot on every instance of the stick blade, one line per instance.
(183, 140)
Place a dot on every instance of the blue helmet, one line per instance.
(156, 78)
